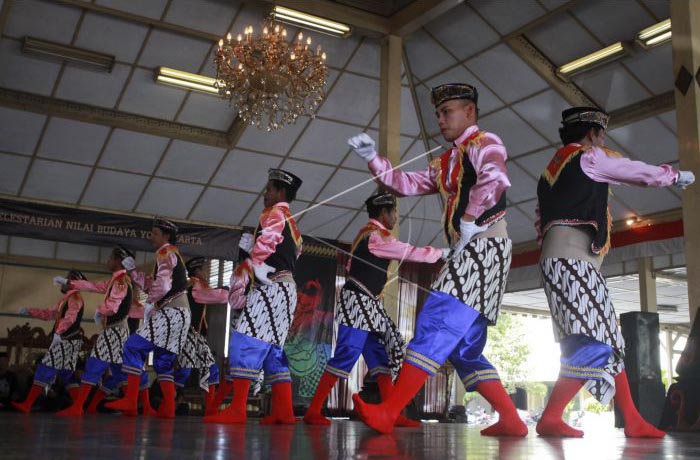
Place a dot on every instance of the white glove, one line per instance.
(445, 253)
(129, 263)
(685, 178)
(148, 310)
(24, 311)
(261, 271)
(246, 242)
(56, 339)
(467, 231)
(60, 281)
(98, 318)
(363, 145)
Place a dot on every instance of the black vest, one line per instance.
(567, 196)
(73, 330)
(125, 305)
(285, 256)
(456, 202)
(197, 310)
(365, 267)
(179, 279)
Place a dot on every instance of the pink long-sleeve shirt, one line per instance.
(384, 245)
(488, 157)
(112, 301)
(202, 293)
(156, 287)
(272, 222)
(610, 167)
(75, 304)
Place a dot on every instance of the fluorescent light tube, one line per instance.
(600, 57)
(655, 35)
(186, 80)
(69, 54)
(309, 21)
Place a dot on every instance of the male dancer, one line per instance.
(364, 326)
(67, 341)
(196, 353)
(166, 321)
(574, 230)
(257, 340)
(111, 315)
(466, 296)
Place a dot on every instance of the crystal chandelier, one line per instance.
(271, 81)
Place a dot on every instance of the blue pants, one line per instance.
(583, 357)
(446, 328)
(96, 368)
(350, 344)
(183, 373)
(136, 350)
(44, 376)
(247, 356)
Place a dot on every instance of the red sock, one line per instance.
(313, 413)
(386, 387)
(224, 389)
(282, 409)
(551, 423)
(209, 396)
(128, 405)
(509, 422)
(26, 405)
(635, 425)
(96, 399)
(146, 409)
(74, 392)
(167, 404)
(382, 416)
(79, 397)
(236, 412)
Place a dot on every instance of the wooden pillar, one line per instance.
(685, 17)
(647, 284)
(390, 138)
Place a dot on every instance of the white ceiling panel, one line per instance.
(73, 141)
(611, 87)
(278, 141)
(661, 8)
(529, 208)
(325, 221)
(19, 130)
(647, 200)
(111, 35)
(339, 51)
(536, 162)
(618, 210)
(151, 8)
(114, 190)
(251, 220)
(547, 37)
(409, 119)
(39, 19)
(426, 56)
(427, 110)
(145, 97)
(12, 171)
(647, 140)
(170, 49)
(313, 175)
(488, 101)
(367, 59)
(613, 24)
(669, 119)
(544, 113)
(213, 16)
(24, 73)
(351, 231)
(55, 181)
(92, 87)
(346, 103)
(324, 141)
(223, 206)
(415, 148)
(481, 35)
(207, 111)
(245, 170)
(430, 207)
(189, 161)
(520, 227)
(508, 15)
(169, 198)
(517, 82)
(552, 4)
(522, 185)
(515, 134)
(343, 181)
(132, 151)
(419, 232)
(654, 68)
(431, 234)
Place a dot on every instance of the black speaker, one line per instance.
(641, 333)
(649, 397)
